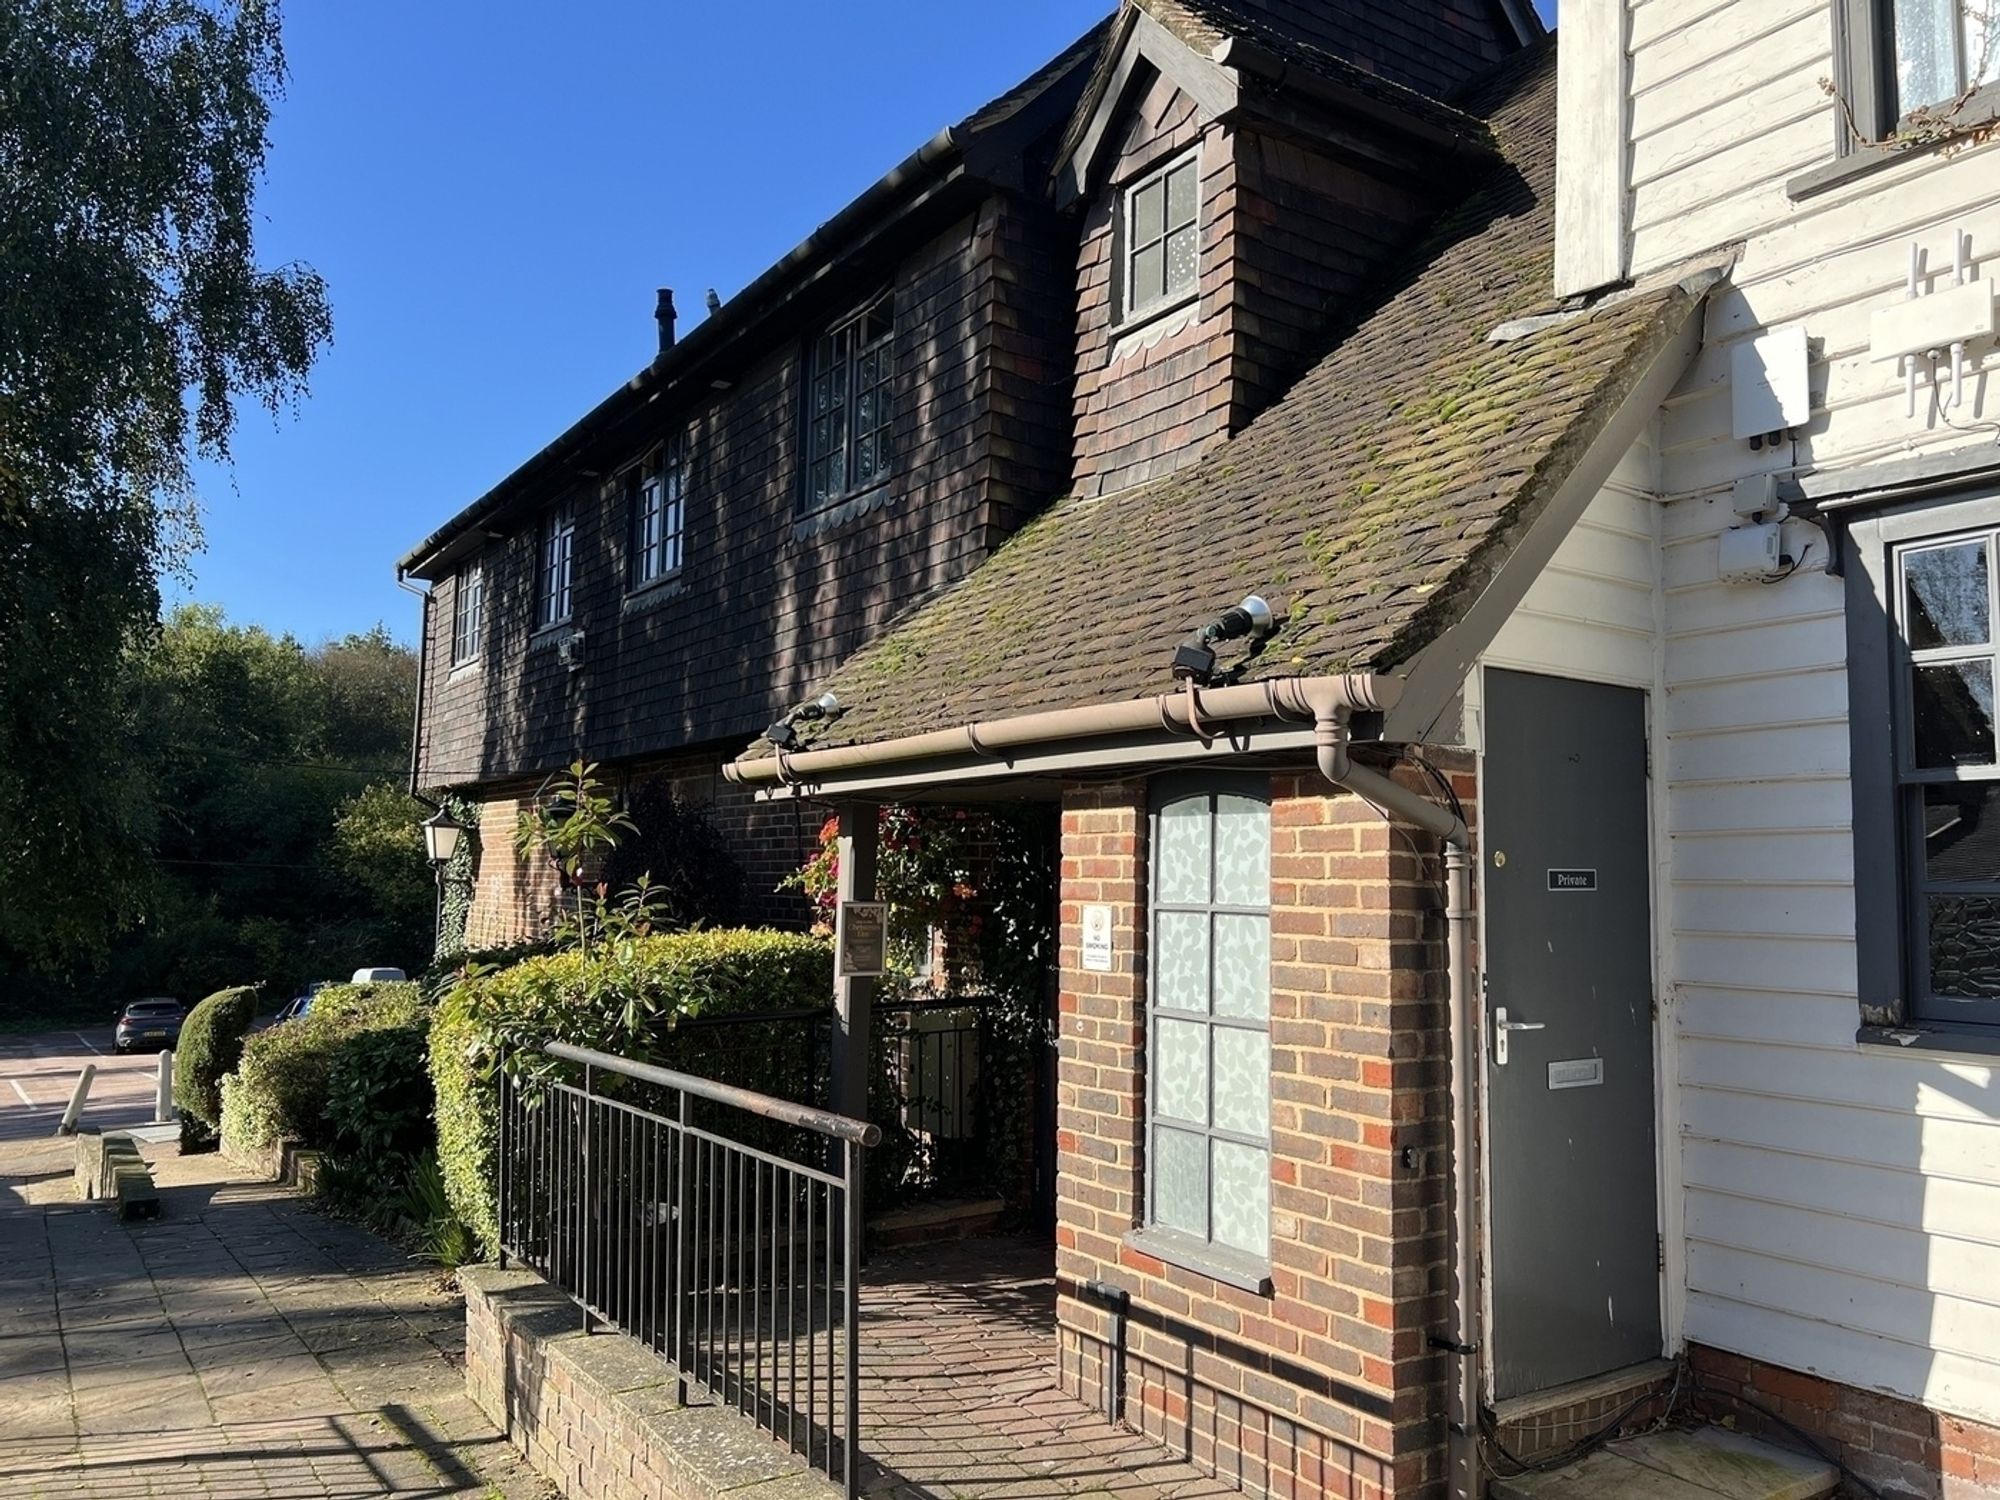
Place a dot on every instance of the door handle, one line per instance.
(1503, 1028)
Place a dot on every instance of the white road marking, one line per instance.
(87, 1042)
(22, 1092)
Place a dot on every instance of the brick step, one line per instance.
(1708, 1463)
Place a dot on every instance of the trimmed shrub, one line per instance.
(210, 1045)
(445, 971)
(378, 1095)
(627, 1000)
(280, 1088)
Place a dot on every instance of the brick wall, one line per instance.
(1325, 1385)
(1905, 1451)
(514, 899)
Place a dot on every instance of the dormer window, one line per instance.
(850, 402)
(1162, 232)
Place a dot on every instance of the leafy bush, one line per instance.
(378, 1095)
(281, 1087)
(210, 1044)
(448, 969)
(626, 999)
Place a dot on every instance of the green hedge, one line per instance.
(210, 1045)
(280, 1089)
(627, 1001)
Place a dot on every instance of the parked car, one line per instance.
(153, 1022)
(377, 976)
(300, 1003)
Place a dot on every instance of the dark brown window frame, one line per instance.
(659, 558)
(555, 567)
(468, 612)
(839, 363)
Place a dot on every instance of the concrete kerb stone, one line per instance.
(592, 1389)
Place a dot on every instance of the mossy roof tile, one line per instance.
(1370, 504)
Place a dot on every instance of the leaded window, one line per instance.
(1209, 1012)
(1162, 236)
(468, 613)
(554, 565)
(850, 405)
(1949, 773)
(658, 491)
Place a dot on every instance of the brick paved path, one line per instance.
(242, 1345)
(958, 1392)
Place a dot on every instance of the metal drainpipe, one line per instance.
(1118, 1302)
(423, 657)
(1461, 1340)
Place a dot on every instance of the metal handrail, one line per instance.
(820, 1121)
(737, 1265)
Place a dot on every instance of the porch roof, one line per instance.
(1373, 505)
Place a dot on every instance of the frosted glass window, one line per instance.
(1209, 1057)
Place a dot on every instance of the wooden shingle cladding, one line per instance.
(1289, 236)
(1431, 46)
(771, 595)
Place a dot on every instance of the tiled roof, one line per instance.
(1370, 504)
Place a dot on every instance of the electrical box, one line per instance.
(1755, 496)
(1768, 386)
(1751, 554)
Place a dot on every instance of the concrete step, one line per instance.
(1705, 1464)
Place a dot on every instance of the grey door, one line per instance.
(1571, 1201)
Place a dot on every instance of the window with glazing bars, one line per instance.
(1208, 1174)
(554, 564)
(468, 613)
(658, 490)
(1162, 235)
(850, 404)
(1949, 774)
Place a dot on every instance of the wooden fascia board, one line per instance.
(1213, 88)
(1437, 674)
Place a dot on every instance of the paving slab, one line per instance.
(1706, 1464)
(181, 1357)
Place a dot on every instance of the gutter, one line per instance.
(935, 163)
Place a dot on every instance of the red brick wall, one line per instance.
(1326, 1385)
(514, 899)
(1900, 1448)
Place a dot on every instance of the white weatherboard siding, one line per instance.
(1593, 611)
(1829, 1208)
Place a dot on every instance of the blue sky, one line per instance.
(493, 192)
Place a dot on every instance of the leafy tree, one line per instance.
(133, 314)
(378, 843)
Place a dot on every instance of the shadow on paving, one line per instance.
(240, 1344)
